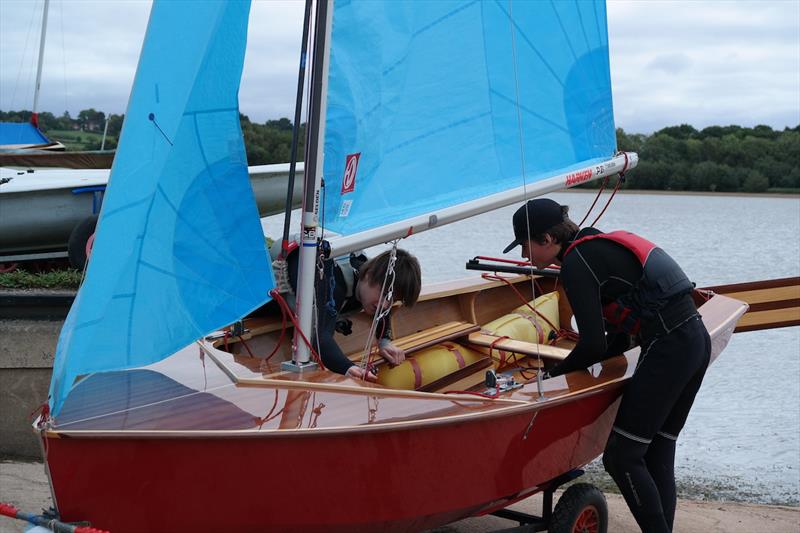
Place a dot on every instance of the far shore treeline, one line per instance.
(676, 158)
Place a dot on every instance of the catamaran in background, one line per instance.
(165, 417)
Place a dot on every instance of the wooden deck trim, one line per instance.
(521, 347)
(429, 337)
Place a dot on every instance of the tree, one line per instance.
(91, 120)
(683, 132)
(755, 182)
(115, 125)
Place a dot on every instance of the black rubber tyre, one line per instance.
(581, 509)
(76, 246)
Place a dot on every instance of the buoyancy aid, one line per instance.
(662, 282)
(347, 266)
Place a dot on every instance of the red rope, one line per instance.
(502, 360)
(280, 339)
(620, 181)
(278, 298)
(262, 420)
(522, 298)
(599, 192)
(246, 346)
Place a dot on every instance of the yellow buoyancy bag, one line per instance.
(428, 365)
(523, 324)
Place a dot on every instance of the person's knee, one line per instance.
(621, 454)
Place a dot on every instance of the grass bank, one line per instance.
(59, 279)
(77, 140)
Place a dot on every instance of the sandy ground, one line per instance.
(24, 485)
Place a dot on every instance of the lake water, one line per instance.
(742, 438)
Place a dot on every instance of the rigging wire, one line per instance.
(520, 131)
(22, 60)
(63, 54)
(384, 305)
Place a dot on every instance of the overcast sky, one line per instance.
(690, 61)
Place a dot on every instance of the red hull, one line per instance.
(394, 480)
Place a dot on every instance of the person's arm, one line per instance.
(387, 349)
(332, 356)
(583, 293)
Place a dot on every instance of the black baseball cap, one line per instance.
(534, 218)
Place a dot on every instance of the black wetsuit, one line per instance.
(334, 303)
(675, 353)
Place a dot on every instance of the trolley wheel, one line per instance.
(581, 509)
(79, 244)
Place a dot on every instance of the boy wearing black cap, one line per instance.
(619, 286)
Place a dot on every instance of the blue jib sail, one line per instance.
(179, 250)
(431, 104)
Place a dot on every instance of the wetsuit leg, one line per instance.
(660, 461)
(624, 461)
(664, 380)
(660, 456)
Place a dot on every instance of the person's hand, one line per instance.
(393, 355)
(356, 372)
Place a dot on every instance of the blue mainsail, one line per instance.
(179, 250)
(431, 104)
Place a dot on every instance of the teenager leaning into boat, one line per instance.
(351, 284)
(621, 286)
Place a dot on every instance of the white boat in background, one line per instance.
(50, 213)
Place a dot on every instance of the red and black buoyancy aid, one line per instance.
(662, 281)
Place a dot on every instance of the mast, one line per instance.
(311, 184)
(35, 114)
(298, 110)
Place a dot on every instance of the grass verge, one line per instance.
(60, 279)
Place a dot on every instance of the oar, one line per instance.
(50, 523)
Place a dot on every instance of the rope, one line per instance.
(561, 333)
(289, 313)
(597, 197)
(495, 277)
(620, 181)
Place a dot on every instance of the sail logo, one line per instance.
(350, 169)
(578, 177)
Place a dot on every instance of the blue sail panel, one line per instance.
(20, 133)
(431, 104)
(179, 250)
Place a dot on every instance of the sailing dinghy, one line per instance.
(162, 417)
